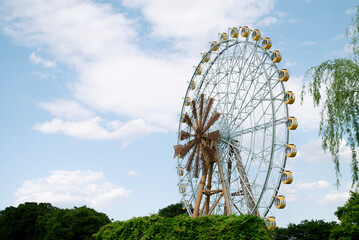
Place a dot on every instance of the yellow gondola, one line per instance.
(256, 35)
(276, 56)
(223, 37)
(187, 101)
(198, 70)
(291, 150)
(283, 75)
(266, 43)
(182, 188)
(213, 46)
(289, 97)
(270, 223)
(183, 119)
(184, 204)
(292, 123)
(206, 57)
(279, 202)
(192, 85)
(180, 171)
(234, 32)
(287, 177)
(244, 31)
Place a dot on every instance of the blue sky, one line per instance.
(91, 92)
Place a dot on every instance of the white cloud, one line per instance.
(120, 68)
(307, 115)
(268, 21)
(350, 11)
(308, 43)
(68, 109)
(289, 64)
(97, 128)
(334, 197)
(338, 37)
(345, 51)
(39, 60)
(314, 185)
(69, 188)
(313, 152)
(133, 173)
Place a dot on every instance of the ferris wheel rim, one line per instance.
(235, 42)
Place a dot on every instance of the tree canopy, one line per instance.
(172, 210)
(335, 84)
(305, 230)
(349, 219)
(43, 221)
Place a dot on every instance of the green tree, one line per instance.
(185, 227)
(349, 218)
(172, 210)
(27, 221)
(75, 224)
(305, 230)
(339, 78)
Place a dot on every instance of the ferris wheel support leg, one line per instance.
(228, 208)
(199, 195)
(209, 186)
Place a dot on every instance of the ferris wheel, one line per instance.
(233, 136)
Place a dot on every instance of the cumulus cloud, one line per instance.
(39, 60)
(67, 109)
(308, 116)
(268, 21)
(314, 185)
(133, 173)
(120, 68)
(334, 197)
(97, 128)
(70, 188)
(350, 11)
(313, 152)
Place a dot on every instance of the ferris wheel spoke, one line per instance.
(259, 127)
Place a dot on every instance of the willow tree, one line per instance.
(335, 86)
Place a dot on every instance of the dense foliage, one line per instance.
(185, 227)
(43, 221)
(172, 210)
(336, 84)
(349, 218)
(306, 230)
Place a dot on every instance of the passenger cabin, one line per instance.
(213, 45)
(223, 37)
(187, 101)
(182, 188)
(266, 43)
(279, 202)
(183, 118)
(206, 57)
(256, 35)
(291, 150)
(270, 223)
(234, 32)
(180, 171)
(184, 204)
(283, 75)
(287, 177)
(289, 97)
(276, 56)
(292, 123)
(244, 31)
(198, 70)
(192, 85)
